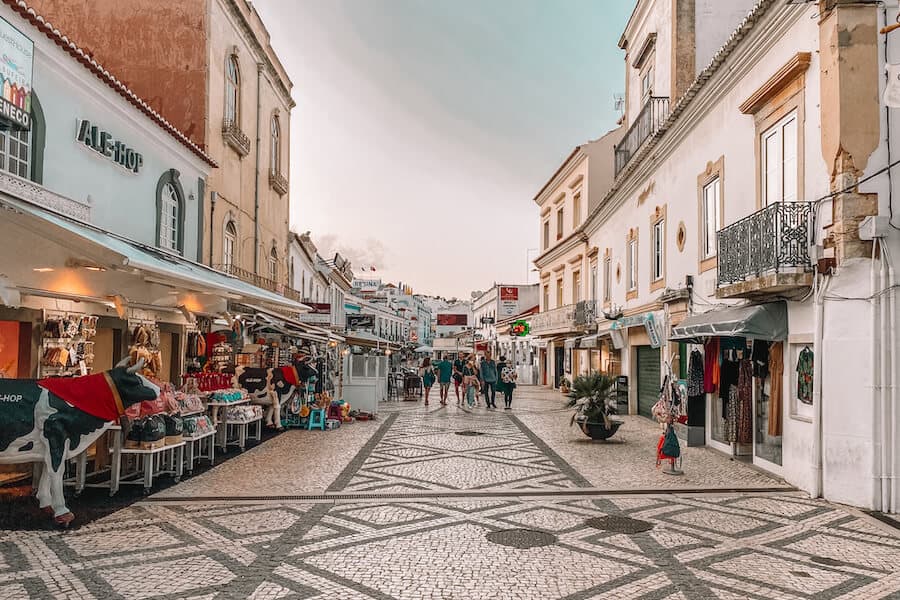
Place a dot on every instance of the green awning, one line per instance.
(756, 321)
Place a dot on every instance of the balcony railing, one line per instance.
(648, 122)
(278, 182)
(235, 138)
(253, 279)
(770, 244)
(556, 320)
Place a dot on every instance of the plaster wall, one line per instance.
(715, 21)
(650, 16)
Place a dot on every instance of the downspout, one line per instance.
(818, 446)
(213, 196)
(887, 440)
(877, 406)
(891, 375)
(259, 70)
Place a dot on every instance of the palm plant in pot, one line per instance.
(591, 397)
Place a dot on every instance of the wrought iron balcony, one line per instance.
(253, 278)
(278, 182)
(648, 122)
(766, 252)
(569, 318)
(235, 138)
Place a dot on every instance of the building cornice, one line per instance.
(576, 237)
(564, 170)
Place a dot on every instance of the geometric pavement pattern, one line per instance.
(725, 547)
(416, 451)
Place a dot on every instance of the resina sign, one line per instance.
(105, 144)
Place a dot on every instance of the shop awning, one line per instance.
(370, 340)
(155, 265)
(593, 340)
(757, 321)
(425, 349)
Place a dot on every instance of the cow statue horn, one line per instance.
(136, 366)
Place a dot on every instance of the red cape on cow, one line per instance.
(290, 375)
(96, 395)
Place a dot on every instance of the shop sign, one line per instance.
(520, 329)
(448, 320)
(647, 320)
(103, 143)
(653, 331)
(15, 70)
(509, 301)
(356, 322)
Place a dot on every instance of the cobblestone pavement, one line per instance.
(474, 529)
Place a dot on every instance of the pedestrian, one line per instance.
(470, 382)
(489, 378)
(426, 372)
(507, 382)
(458, 365)
(445, 370)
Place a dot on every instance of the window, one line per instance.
(168, 218)
(273, 264)
(546, 296)
(559, 293)
(576, 209)
(576, 287)
(15, 152)
(647, 80)
(779, 161)
(560, 215)
(659, 240)
(276, 146)
(632, 265)
(607, 278)
(232, 90)
(229, 244)
(546, 234)
(710, 214)
(595, 292)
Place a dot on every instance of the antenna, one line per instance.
(619, 102)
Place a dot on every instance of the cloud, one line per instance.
(371, 253)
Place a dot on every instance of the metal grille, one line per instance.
(619, 524)
(772, 240)
(648, 122)
(469, 433)
(522, 538)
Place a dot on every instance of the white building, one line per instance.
(734, 217)
(501, 302)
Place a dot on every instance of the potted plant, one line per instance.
(564, 385)
(592, 395)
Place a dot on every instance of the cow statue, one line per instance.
(288, 380)
(259, 383)
(49, 421)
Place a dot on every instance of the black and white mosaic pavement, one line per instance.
(723, 546)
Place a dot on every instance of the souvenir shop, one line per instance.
(735, 379)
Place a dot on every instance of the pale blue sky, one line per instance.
(424, 128)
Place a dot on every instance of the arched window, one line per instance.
(232, 90)
(22, 151)
(170, 212)
(276, 146)
(229, 244)
(273, 264)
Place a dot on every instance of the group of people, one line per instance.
(472, 376)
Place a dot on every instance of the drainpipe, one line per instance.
(818, 446)
(878, 407)
(890, 376)
(213, 196)
(259, 70)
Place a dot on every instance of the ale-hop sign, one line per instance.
(16, 64)
(103, 142)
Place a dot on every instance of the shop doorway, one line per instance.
(559, 355)
(647, 377)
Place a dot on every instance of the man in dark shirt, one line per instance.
(458, 366)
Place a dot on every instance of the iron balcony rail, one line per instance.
(648, 122)
(772, 240)
(253, 279)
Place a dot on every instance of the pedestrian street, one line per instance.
(450, 503)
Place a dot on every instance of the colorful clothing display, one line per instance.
(745, 402)
(696, 375)
(711, 374)
(805, 376)
(776, 402)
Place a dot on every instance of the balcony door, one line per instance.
(778, 161)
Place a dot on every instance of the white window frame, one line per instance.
(607, 278)
(775, 167)
(229, 243)
(276, 146)
(560, 222)
(273, 264)
(647, 79)
(169, 218)
(595, 283)
(659, 250)
(11, 138)
(576, 209)
(232, 90)
(632, 265)
(711, 196)
(560, 288)
(546, 233)
(576, 286)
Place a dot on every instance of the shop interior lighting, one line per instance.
(42, 269)
(78, 264)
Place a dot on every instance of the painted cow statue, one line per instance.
(49, 421)
(259, 383)
(290, 379)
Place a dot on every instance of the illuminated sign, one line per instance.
(520, 329)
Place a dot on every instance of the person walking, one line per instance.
(470, 382)
(458, 365)
(426, 372)
(444, 370)
(507, 381)
(489, 378)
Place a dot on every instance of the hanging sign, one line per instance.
(509, 301)
(520, 329)
(17, 53)
(103, 143)
(892, 89)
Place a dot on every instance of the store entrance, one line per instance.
(647, 376)
(559, 355)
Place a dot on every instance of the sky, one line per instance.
(424, 128)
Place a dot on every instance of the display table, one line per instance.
(167, 460)
(194, 449)
(238, 432)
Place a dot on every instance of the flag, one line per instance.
(373, 268)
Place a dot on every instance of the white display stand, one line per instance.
(365, 381)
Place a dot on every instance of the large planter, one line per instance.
(599, 431)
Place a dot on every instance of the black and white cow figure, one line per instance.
(49, 421)
(260, 383)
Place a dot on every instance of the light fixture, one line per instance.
(95, 268)
(42, 269)
(80, 264)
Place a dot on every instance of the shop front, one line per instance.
(640, 336)
(736, 369)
